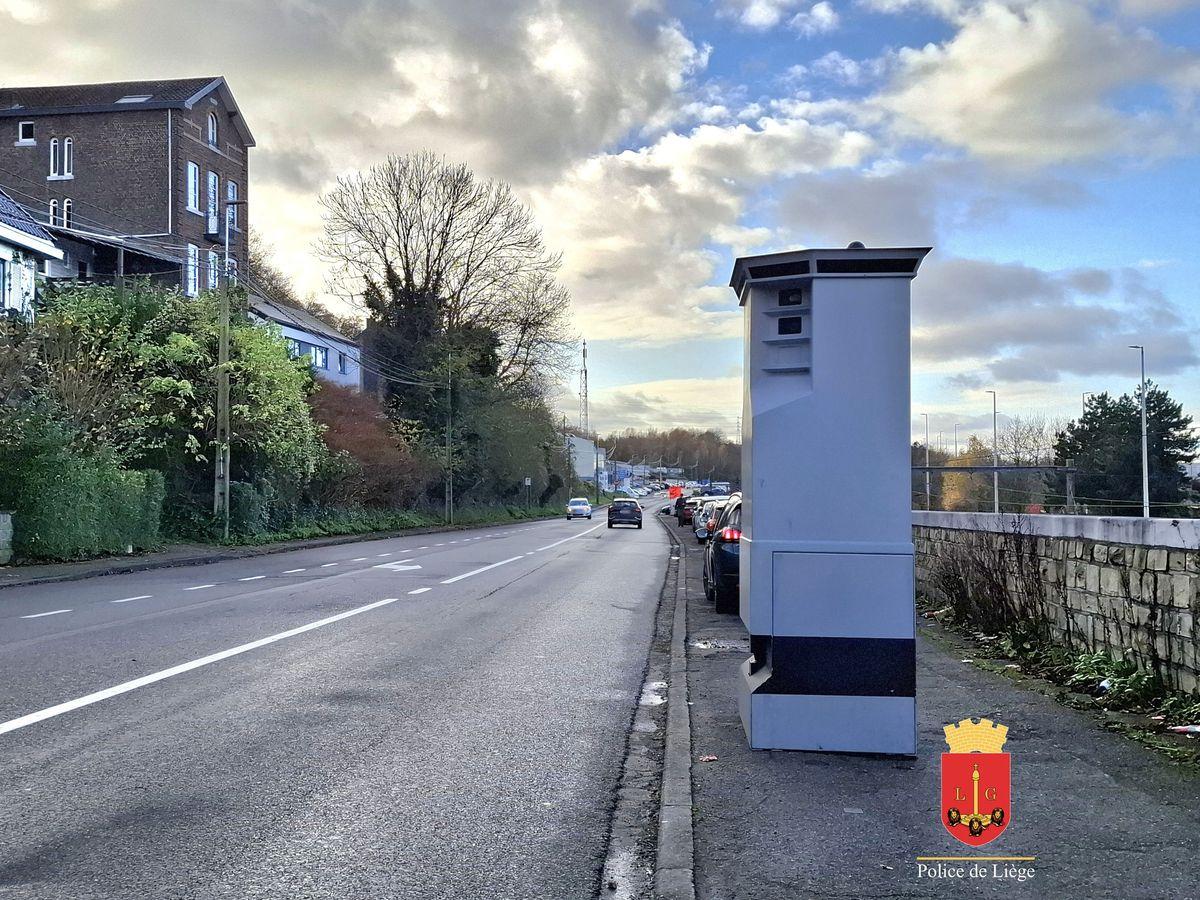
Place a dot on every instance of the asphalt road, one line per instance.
(433, 716)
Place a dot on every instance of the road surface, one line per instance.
(430, 716)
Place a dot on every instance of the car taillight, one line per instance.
(731, 535)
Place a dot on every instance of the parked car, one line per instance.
(668, 510)
(705, 518)
(579, 508)
(624, 512)
(722, 558)
(688, 510)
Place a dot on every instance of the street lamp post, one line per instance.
(1145, 442)
(927, 491)
(995, 458)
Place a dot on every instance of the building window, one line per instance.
(214, 270)
(232, 270)
(319, 357)
(54, 162)
(214, 202)
(293, 348)
(68, 213)
(25, 133)
(193, 188)
(192, 275)
(68, 170)
(231, 212)
(4, 284)
(212, 129)
(53, 212)
(341, 363)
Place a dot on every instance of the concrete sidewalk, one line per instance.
(1104, 816)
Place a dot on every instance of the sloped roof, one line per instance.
(169, 93)
(294, 317)
(13, 216)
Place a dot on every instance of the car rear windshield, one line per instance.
(624, 503)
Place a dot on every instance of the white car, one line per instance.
(579, 508)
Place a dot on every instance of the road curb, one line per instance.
(144, 565)
(674, 871)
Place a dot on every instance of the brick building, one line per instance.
(147, 164)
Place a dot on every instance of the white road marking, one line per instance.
(199, 587)
(359, 559)
(439, 545)
(53, 612)
(131, 599)
(571, 538)
(419, 548)
(125, 687)
(389, 553)
(328, 565)
(502, 562)
(253, 578)
(293, 571)
(398, 566)
(420, 590)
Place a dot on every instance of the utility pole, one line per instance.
(1145, 439)
(449, 454)
(928, 497)
(221, 487)
(585, 424)
(995, 458)
(956, 440)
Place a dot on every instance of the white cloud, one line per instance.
(1037, 83)
(677, 402)
(1017, 323)
(641, 230)
(820, 19)
(757, 15)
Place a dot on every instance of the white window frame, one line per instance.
(30, 141)
(191, 285)
(231, 212)
(214, 270)
(53, 158)
(68, 213)
(293, 347)
(54, 212)
(319, 357)
(193, 188)
(213, 215)
(343, 366)
(214, 130)
(68, 158)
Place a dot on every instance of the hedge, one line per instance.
(83, 506)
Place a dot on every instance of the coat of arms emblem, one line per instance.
(976, 789)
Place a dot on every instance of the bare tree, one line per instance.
(419, 235)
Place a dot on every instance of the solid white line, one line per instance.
(131, 599)
(571, 538)
(292, 571)
(252, 578)
(199, 587)
(420, 590)
(53, 612)
(126, 687)
(328, 565)
(503, 562)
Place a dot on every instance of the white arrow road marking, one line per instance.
(398, 566)
(124, 688)
(503, 562)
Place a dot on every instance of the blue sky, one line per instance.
(1045, 148)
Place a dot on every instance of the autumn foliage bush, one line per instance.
(370, 463)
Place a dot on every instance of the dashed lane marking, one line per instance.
(131, 599)
(53, 612)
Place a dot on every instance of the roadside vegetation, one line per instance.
(108, 394)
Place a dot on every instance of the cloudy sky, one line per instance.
(1047, 149)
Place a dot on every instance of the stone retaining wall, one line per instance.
(1123, 586)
